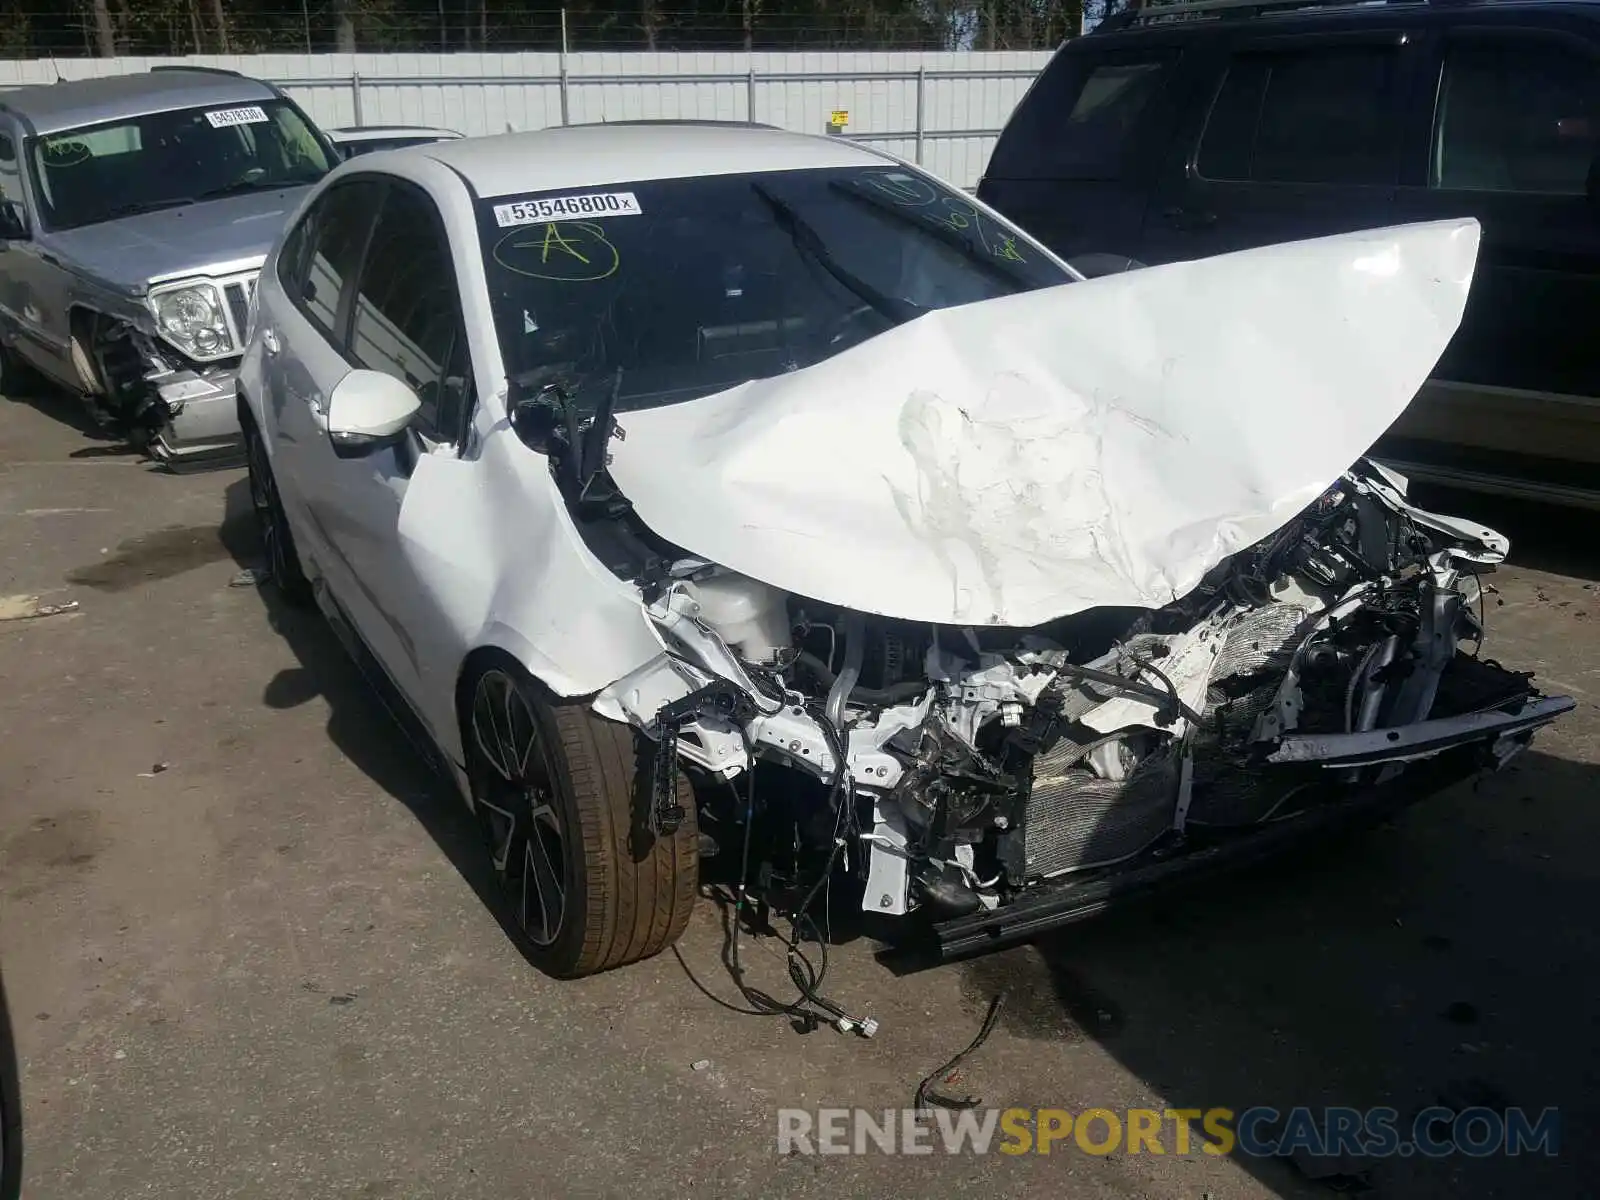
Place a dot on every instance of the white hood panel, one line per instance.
(1098, 443)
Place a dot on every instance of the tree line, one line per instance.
(71, 28)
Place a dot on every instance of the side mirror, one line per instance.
(369, 411)
(13, 222)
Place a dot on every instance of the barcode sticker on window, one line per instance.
(568, 208)
(249, 115)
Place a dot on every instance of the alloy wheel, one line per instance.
(268, 511)
(517, 806)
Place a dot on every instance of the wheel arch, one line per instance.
(502, 646)
(81, 319)
(478, 660)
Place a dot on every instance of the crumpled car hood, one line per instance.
(1098, 443)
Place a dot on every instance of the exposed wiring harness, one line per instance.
(811, 1009)
(926, 1095)
(1166, 701)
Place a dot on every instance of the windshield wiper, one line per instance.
(134, 208)
(238, 188)
(809, 242)
(947, 234)
(592, 451)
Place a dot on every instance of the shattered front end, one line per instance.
(1001, 781)
(1021, 606)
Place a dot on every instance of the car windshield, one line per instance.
(691, 286)
(162, 160)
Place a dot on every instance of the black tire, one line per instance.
(272, 526)
(18, 380)
(10, 1108)
(561, 791)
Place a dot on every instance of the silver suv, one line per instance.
(136, 213)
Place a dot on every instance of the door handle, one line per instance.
(269, 341)
(1183, 218)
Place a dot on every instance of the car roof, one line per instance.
(1241, 16)
(358, 133)
(593, 155)
(52, 107)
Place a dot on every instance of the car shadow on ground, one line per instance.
(72, 412)
(1448, 957)
(360, 722)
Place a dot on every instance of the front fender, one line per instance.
(497, 562)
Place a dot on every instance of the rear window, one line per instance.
(1322, 116)
(1516, 115)
(1080, 118)
(689, 286)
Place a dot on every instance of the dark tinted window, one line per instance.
(1311, 117)
(169, 159)
(689, 286)
(406, 321)
(1078, 120)
(10, 177)
(322, 252)
(1516, 116)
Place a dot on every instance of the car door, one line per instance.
(1300, 138)
(304, 319)
(403, 318)
(1511, 139)
(32, 283)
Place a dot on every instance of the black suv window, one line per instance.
(407, 320)
(1318, 116)
(323, 250)
(1517, 115)
(1078, 120)
(10, 177)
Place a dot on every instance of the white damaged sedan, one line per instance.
(721, 500)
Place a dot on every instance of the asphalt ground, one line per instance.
(252, 951)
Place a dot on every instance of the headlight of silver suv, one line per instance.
(192, 318)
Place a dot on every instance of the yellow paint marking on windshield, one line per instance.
(65, 154)
(904, 190)
(552, 236)
(961, 218)
(566, 252)
(1008, 249)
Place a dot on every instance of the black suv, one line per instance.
(1178, 131)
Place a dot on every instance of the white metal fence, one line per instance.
(940, 109)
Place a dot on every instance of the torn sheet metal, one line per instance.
(1420, 739)
(1033, 456)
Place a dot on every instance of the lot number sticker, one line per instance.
(567, 208)
(223, 117)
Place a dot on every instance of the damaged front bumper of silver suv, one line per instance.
(200, 414)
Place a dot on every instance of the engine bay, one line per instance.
(952, 770)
